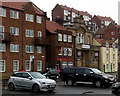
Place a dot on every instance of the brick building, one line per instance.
(60, 51)
(23, 33)
(65, 15)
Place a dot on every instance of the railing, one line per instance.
(41, 41)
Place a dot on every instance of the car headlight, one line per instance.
(105, 77)
(42, 82)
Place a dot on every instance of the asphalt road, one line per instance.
(62, 90)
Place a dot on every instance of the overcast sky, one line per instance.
(107, 8)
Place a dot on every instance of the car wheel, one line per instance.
(98, 84)
(70, 82)
(11, 86)
(35, 88)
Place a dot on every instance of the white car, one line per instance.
(34, 81)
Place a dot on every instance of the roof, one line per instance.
(103, 41)
(105, 18)
(75, 11)
(100, 31)
(52, 26)
(19, 5)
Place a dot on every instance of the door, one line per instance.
(26, 82)
(80, 74)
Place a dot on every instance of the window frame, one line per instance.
(40, 62)
(17, 66)
(14, 47)
(3, 66)
(14, 14)
(39, 19)
(2, 12)
(29, 17)
(29, 65)
(39, 49)
(1, 46)
(30, 50)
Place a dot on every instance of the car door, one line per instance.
(26, 81)
(80, 74)
(18, 79)
(89, 75)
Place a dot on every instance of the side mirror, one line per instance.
(91, 72)
(30, 78)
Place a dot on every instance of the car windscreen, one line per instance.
(53, 71)
(37, 75)
(96, 71)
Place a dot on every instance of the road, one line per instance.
(61, 89)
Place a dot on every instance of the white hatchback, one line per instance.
(34, 81)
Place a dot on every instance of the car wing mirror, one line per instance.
(30, 78)
(91, 72)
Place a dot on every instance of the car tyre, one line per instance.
(70, 82)
(98, 84)
(11, 86)
(35, 88)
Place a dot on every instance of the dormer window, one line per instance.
(102, 22)
(112, 33)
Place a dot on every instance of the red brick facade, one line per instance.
(21, 39)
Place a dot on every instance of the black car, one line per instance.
(116, 88)
(52, 74)
(86, 75)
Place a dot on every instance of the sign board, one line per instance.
(86, 46)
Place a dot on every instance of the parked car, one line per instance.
(86, 75)
(116, 88)
(34, 81)
(52, 74)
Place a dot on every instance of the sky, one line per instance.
(108, 8)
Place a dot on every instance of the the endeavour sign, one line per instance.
(86, 46)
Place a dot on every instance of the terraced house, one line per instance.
(22, 34)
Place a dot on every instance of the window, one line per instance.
(69, 51)
(70, 64)
(2, 32)
(113, 66)
(65, 38)
(59, 50)
(2, 47)
(2, 65)
(14, 14)
(69, 38)
(79, 38)
(38, 19)
(113, 56)
(65, 51)
(29, 49)
(59, 37)
(29, 33)
(15, 65)
(29, 17)
(64, 65)
(28, 66)
(39, 65)
(39, 34)
(2, 12)
(14, 31)
(14, 48)
(107, 66)
(112, 33)
(39, 49)
(107, 56)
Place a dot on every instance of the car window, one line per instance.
(87, 71)
(18, 75)
(80, 70)
(26, 75)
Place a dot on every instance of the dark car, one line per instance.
(116, 88)
(52, 74)
(86, 75)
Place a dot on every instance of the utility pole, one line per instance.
(118, 75)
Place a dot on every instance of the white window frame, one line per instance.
(65, 51)
(29, 69)
(15, 65)
(2, 66)
(39, 63)
(2, 32)
(69, 38)
(64, 64)
(29, 49)
(2, 12)
(65, 37)
(14, 31)
(69, 51)
(14, 47)
(39, 49)
(29, 33)
(39, 34)
(70, 63)
(38, 19)
(29, 17)
(59, 37)
(14, 14)
(2, 47)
